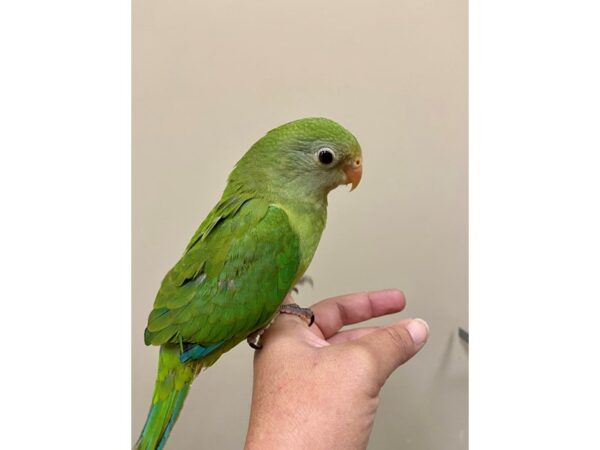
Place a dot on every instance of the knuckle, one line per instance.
(401, 340)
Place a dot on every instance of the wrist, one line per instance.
(326, 425)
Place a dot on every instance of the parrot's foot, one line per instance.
(254, 339)
(304, 313)
(302, 281)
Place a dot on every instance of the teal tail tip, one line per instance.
(161, 418)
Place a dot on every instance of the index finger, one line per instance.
(333, 313)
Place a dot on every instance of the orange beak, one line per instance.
(353, 171)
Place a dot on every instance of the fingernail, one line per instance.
(418, 330)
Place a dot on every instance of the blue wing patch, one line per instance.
(197, 351)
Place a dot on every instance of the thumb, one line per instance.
(393, 345)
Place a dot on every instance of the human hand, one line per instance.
(318, 387)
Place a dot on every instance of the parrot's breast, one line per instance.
(307, 219)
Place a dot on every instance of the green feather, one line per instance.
(236, 278)
(243, 259)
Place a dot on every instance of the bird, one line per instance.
(244, 259)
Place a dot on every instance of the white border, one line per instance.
(534, 225)
(65, 240)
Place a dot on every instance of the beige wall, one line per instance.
(211, 77)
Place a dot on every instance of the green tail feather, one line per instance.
(172, 385)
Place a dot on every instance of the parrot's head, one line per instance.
(305, 158)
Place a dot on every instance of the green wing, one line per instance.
(235, 272)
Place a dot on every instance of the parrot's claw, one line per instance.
(254, 339)
(304, 313)
(302, 281)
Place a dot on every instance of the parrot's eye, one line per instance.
(326, 156)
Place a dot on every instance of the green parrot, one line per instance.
(246, 256)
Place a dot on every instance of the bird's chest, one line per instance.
(308, 221)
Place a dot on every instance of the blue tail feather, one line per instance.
(177, 408)
(155, 434)
(170, 390)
